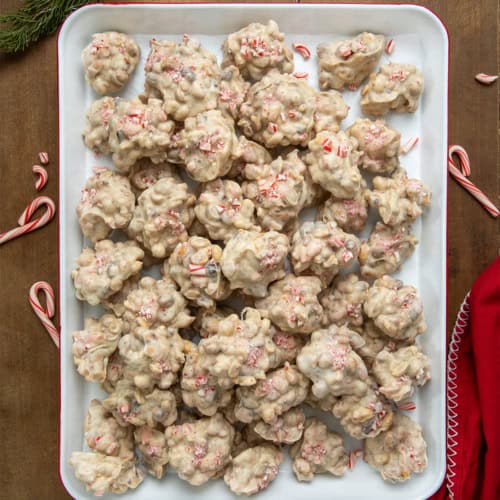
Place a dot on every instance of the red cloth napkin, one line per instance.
(473, 442)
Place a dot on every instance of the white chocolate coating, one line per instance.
(251, 260)
(162, 216)
(287, 346)
(97, 129)
(324, 404)
(109, 60)
(132, 407)
(240, 352)
(343, 301)
(184, 75)
(386, 250)
(152, 356)
(350, 215)
(364, 416)
(253, 469)
(378, 143)
(323, 249)
(115, 303)
(399, 452)
(279, 190)
(348, 62)
(200, 389)
(256, 49)
(281, 390)
(330, 111)
(292, 304)
(251, 152)
(398, 373)
(152, 447)
(332, 160)
(318, 451)
(105, 435)
(287, 428)
(93, 346)
(395, 308)
(232, 91)
(395, 87)
(201, 449)
(138, 131)
(207, 145)
(102, 474)
(156, 302)
(207, 321)
(107, 203)
(145, 173)
(279, 111)
(222, 209)
(195, 266)
(330, 362)
(102, 271)
(398, 199)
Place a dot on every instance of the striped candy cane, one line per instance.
(42, 176)
(25, 224)
(45, 315)
(461, 178)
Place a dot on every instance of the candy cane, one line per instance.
(42, 177)
(300, 74)
(409, 145)
(407, 406)
(353, 457)
(302, 50)
(389, 47)
(44, 158)
(461, 178)
(45, 315)
(25, 225)
(486, 79)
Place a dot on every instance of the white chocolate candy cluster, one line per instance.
(107, 203)
(323, 249)
(333, 163)
(195, 266)
(386, 250)
(292, 304)
(399, 200)
(318, 451)
(259, 312)
(102, 271)
(251, 260)
(253, 469)
(280, 190)
(162, 216)
(109, 60)
(395, 87)
(378, 143)
(201, 449)
(185, 76)
(401, 371)
(348, 62)
(206, 146)
(223, 211)
(395, 308)
(256, 49)
(399, 452)
(93, 346)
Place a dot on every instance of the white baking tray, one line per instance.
(420, 39)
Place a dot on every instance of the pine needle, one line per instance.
(35, 19)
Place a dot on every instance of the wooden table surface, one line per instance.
(29, 366)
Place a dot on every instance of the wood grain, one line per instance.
(29, 362)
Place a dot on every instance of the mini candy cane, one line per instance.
(300, 74)
(407, 406)
(353, 457)
(45, 315)
(44, 158)
(302, 50)
(42, 177)
(25, 225)
(409, 145)
(486, 79)
(389, 47)
(461, 178)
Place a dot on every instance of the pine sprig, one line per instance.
(35, 19)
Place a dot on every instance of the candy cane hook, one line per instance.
(45, 314)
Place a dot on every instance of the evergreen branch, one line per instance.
(35, 19)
